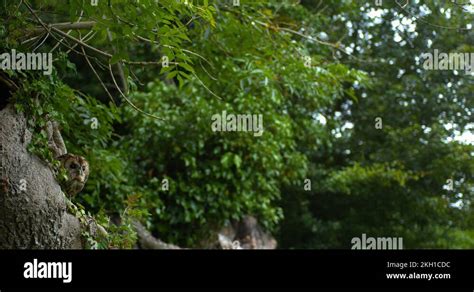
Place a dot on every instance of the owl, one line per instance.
(77, 169)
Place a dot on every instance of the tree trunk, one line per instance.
(33, 213)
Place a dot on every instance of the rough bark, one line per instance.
(33, 213)
(246, 234)
(251, 235)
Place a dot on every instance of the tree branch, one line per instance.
(148, 241)
(65, 26)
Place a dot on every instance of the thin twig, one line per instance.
(202, 83)
(128, 101)
(118, 65)
(97, 75)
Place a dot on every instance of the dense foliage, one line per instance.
(135, 93)
(394, 180)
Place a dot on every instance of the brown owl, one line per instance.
(77, 169)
